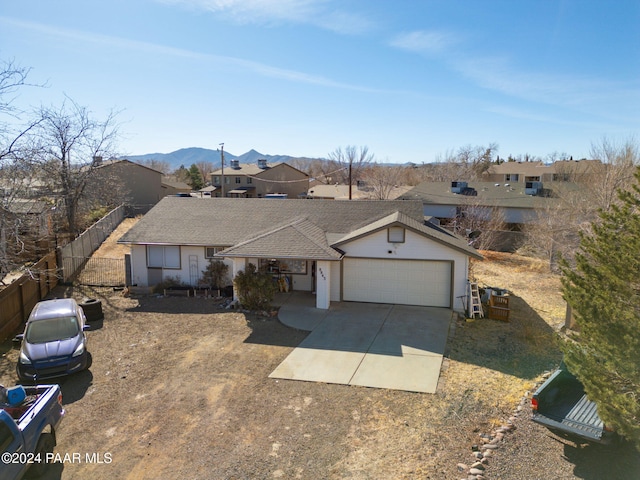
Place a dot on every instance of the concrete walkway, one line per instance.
(374, 345)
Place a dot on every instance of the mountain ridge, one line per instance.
(193, 155)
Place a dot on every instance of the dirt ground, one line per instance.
(179, 388)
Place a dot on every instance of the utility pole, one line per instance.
(350, 176)
(222, 165)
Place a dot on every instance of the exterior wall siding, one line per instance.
(415, 247)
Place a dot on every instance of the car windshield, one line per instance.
(52, 329)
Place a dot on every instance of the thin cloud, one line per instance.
(498, 74)
(321, 13)
(425, 42)
(129, 45)
(565, 90)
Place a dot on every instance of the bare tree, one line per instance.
(482, 225)
(618, 166)
(555, 233)
(349, 163)
(159, 165)
(68, 143)
(206, 168)
(16, 174)
(380, 180)
(467, 163)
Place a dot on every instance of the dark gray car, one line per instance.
(54, 342)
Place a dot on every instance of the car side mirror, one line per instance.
(17, 340)
(86, 327)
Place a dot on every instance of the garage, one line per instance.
(401, 282)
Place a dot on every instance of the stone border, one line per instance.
(491, 442)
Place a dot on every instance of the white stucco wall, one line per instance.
(415, 247)
(139, 265)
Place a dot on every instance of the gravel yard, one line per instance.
(179, 388)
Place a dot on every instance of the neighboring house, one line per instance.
(133, 184)
(259, 180)
(560, 171)
(366, 251)
(171, 186)
(518, 203)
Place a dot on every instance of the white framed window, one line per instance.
(163, 256)
(395, 235)
(209, 252)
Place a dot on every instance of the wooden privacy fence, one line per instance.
(17, 300)
(75, 255)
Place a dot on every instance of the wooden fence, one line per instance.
(17, 300)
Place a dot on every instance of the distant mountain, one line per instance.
(189, 156)
(184, 156)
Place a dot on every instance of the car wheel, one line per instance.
(92, 309)
(89, 361)
(45, 446)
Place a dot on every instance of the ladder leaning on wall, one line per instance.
(475, 305)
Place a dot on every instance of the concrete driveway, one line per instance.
(373, 345)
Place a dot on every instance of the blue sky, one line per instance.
(410, 79)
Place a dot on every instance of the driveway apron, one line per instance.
(373, 345)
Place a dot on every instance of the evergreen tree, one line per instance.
(195, 180)
(603, 289)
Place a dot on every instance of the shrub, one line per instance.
(215, 274)
(256, 289)
(168, 282)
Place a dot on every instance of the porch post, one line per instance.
(323, 284)
(239, 264)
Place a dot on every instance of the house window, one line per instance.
(209, 252)
(511, 177)
(395, 235)
(226, 180)
(249, 180)
(216, 180)
(163, 256)
(238, 180)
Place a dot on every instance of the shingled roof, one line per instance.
(229, 221)
(507, 195)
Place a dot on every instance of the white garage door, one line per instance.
(403, 282)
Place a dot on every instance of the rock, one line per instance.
(478, 455)
(474, 448)
(476, 471)
(477, 465)
(499, 436)
(484, 461)
(462, 467)
(487, 454)
(489, 446)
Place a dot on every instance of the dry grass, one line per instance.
(178, 375)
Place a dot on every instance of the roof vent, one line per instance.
(458, 187)
(262, 163)
(235, 164)
(533, 188)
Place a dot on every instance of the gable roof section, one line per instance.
(229, 221)
(297, 239)
(429, 230)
